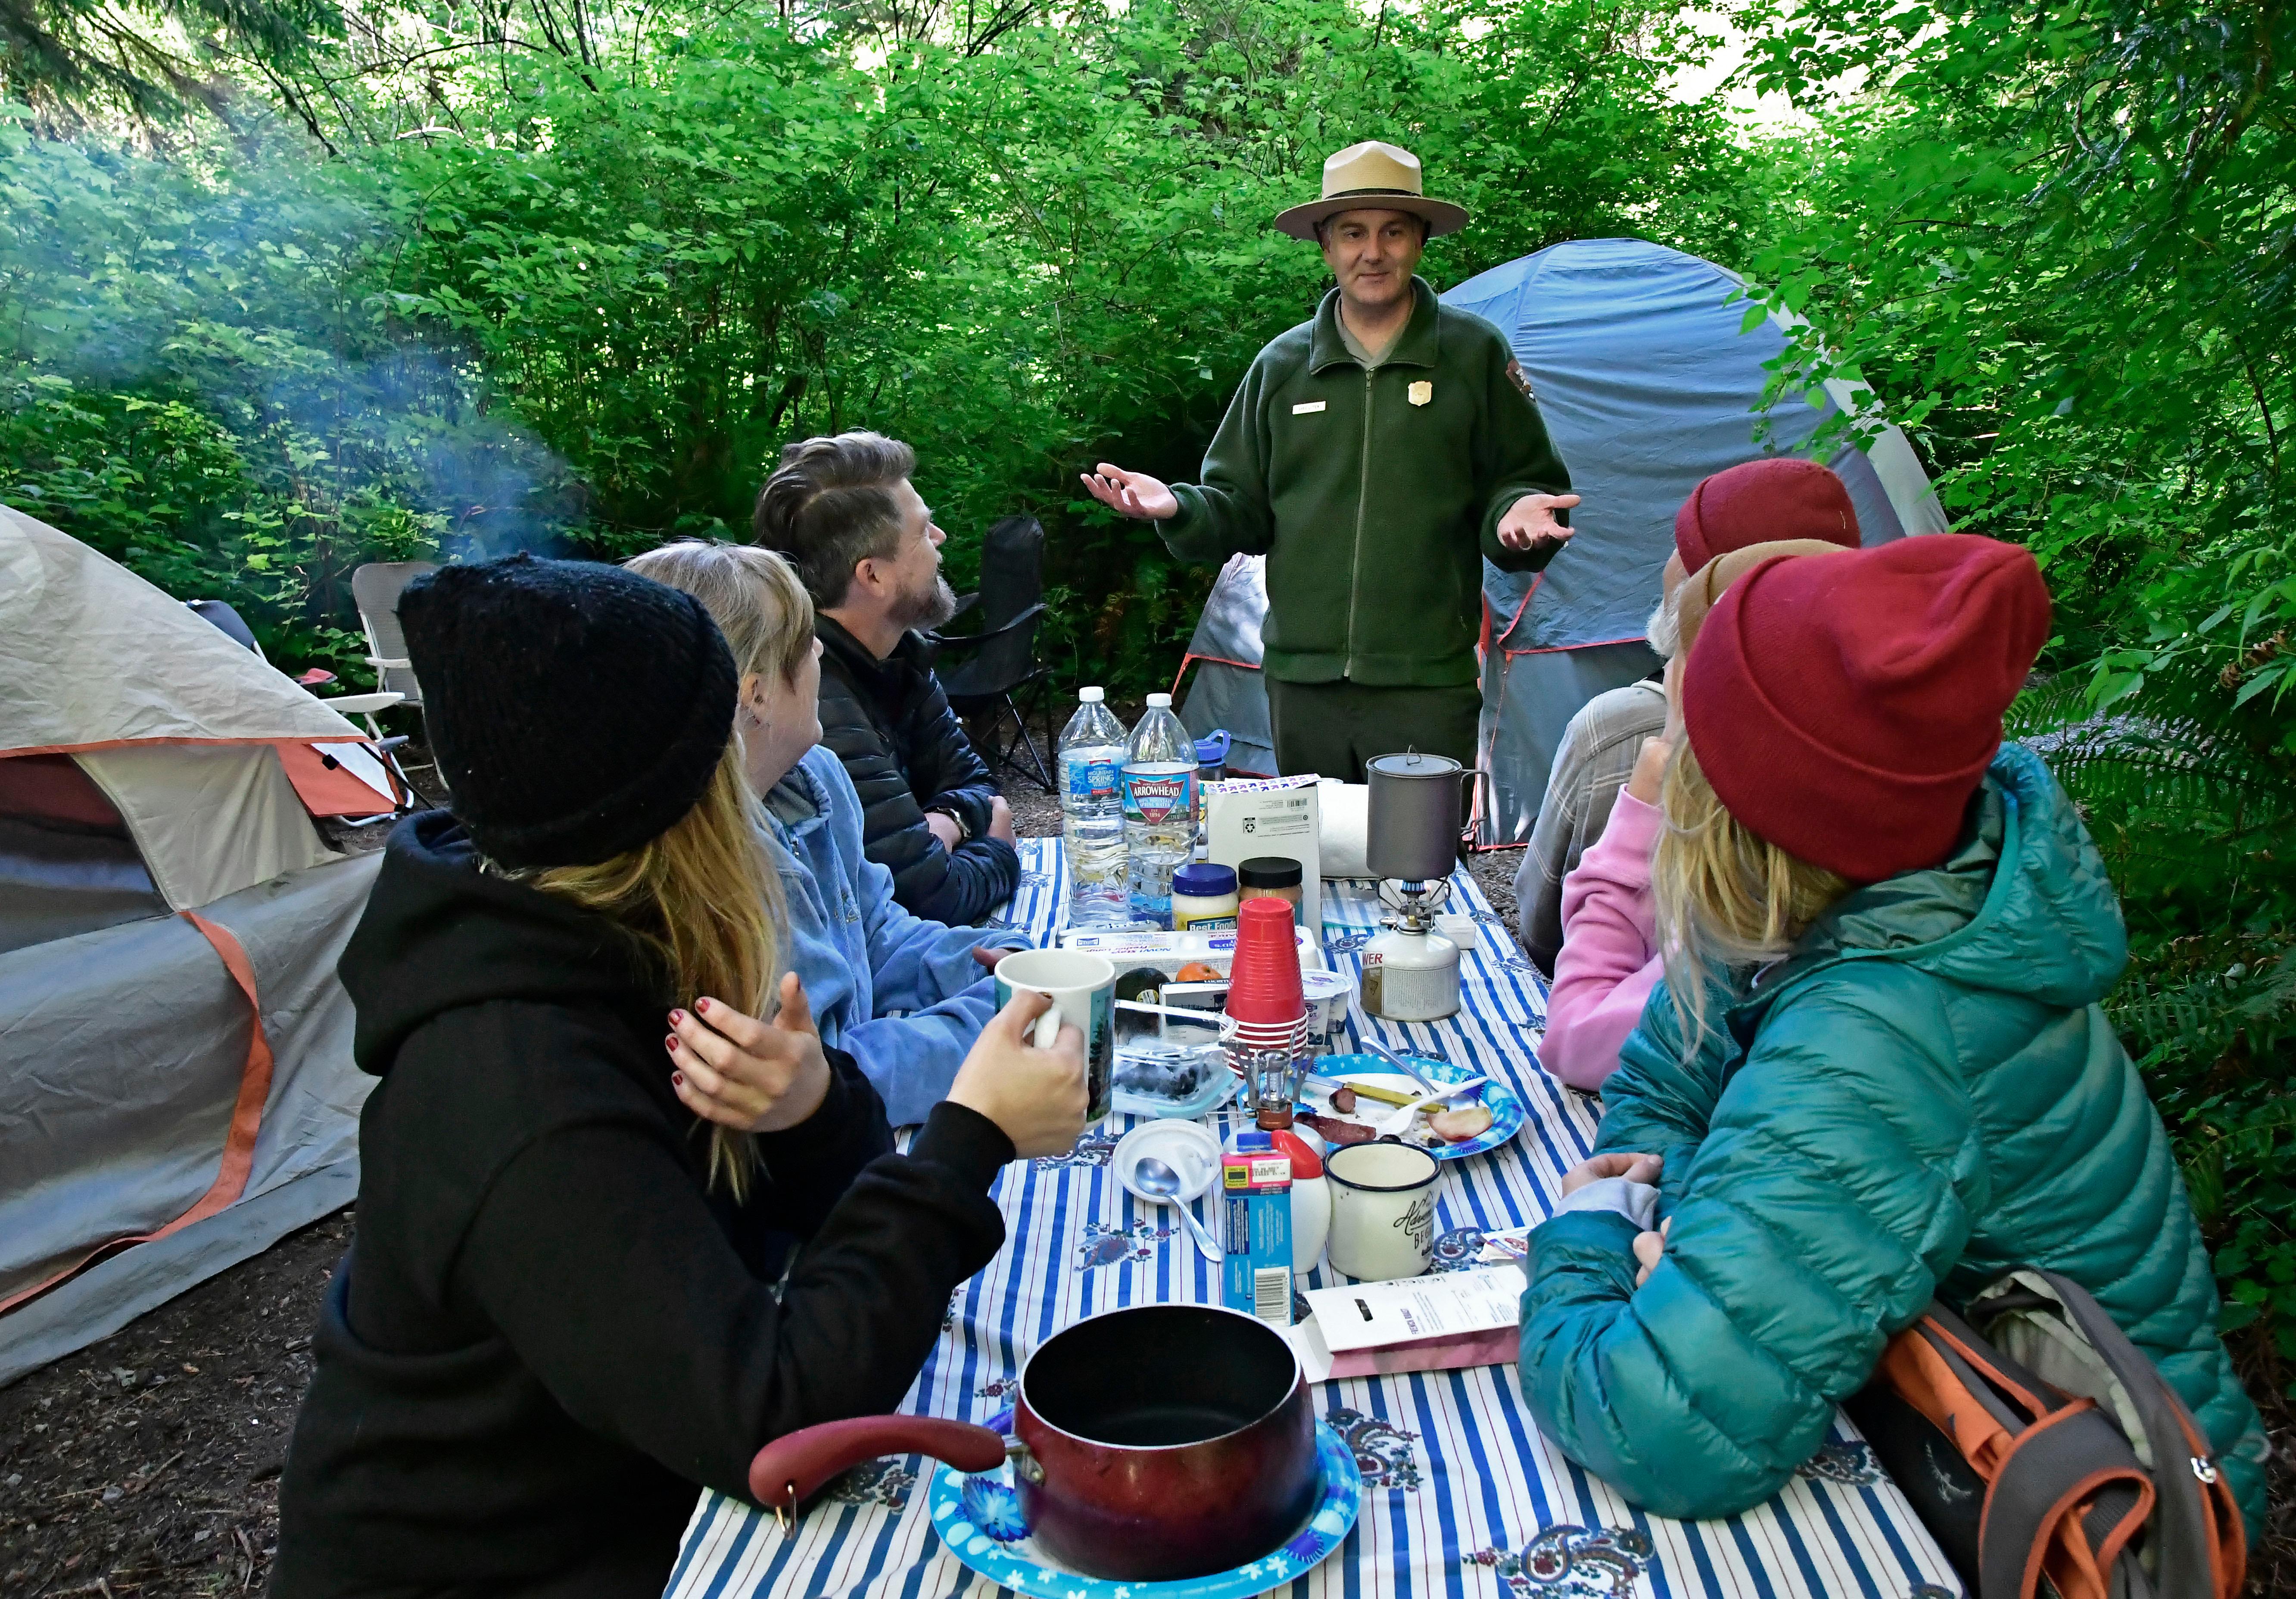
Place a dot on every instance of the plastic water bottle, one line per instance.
(1092, 814)
(1160, 810)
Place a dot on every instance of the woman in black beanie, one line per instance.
(559, 1319)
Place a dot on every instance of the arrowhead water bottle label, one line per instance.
(1158, 797)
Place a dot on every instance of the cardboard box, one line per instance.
(1256, 1228)
(1271, 816)
(1129, 947)
(1418, 1325)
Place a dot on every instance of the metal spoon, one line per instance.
(1400, 1063)
(1155, 1177)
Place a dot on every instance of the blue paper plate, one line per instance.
(1507, 1113)
(980, 1519)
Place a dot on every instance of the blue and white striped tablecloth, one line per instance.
(1464, 1499)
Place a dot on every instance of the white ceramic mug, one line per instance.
(1082, 988)
(1382, 1210)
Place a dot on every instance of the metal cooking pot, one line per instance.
(1412, 825)
(1158, 1442)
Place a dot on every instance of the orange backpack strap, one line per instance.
(2068, 1497)
(2202, 1542)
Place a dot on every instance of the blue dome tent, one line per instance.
(1648, 383)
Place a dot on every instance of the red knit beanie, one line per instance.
(1762, 502)
(1844, 707)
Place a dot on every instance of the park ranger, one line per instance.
(1375, 454)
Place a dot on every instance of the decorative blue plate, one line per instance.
(980, 1519)
(1507, 1111)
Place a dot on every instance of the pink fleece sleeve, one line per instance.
(1609, 963)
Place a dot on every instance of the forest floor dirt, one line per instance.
(149, 1464)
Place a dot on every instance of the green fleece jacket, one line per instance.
(1373, 494)
(1923, 1095)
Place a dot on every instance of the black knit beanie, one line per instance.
(577, 710)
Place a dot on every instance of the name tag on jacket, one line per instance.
(1304, 406)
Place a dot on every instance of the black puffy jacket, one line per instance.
(551, 1331)
(907, 752)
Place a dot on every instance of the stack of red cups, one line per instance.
(1267, 1008)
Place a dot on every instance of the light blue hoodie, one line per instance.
(903, 996)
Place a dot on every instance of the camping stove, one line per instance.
(1411, 971)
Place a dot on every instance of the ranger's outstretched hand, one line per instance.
(1531, 521)
(1133, 494)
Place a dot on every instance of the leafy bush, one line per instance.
(2193, 807)
(539, 301)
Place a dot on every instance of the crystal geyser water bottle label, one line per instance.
(1090, 780)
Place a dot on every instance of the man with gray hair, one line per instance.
(1773, 498)
(844, 511)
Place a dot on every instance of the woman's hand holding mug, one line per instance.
(1036, 1096)
(752, 1075)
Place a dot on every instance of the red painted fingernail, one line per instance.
(678, 1078)
(702, 1005)
(670, 1044)
(676, 1017)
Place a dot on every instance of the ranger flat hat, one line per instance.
(1372, 176)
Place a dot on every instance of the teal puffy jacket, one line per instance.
(1922, 1095)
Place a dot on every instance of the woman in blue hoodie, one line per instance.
(904, 998)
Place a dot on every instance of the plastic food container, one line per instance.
(1204, 898)
(1328, 995)
(1275, 876)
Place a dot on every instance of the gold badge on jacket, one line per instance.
(1420, 392)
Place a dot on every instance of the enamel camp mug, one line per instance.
(1083, 989)
(1382, 1210)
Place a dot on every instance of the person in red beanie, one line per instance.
(1774, 499)
(1877, 1070)
(1609, 959)
(1767, 501)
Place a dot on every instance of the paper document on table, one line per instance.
(1369, 1314)
(1417, 1324)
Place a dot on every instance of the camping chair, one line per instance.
(375, 589)
(233, 626)
(228, 622)
(1003, 654)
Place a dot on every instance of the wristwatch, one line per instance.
(964, 834)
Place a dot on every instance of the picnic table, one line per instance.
(1463, 1497)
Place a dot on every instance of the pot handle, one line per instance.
(794, 1466)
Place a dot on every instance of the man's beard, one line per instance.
(928, 609)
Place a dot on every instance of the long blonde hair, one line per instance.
(703, 901)
(754, 596)
(1726, 898)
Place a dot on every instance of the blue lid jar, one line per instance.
(1204, 879)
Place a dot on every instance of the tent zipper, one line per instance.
(1363, 492)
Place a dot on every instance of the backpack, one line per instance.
(2046, 1453)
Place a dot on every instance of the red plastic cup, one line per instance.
(1263, 986)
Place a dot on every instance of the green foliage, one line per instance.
(2061, 244)
(149, 58)
(663, 244)
(204, 386)
(2192, 804)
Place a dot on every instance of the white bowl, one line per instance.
(1188, 1147)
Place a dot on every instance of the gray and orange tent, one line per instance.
(177, 1089)
(1650, 377)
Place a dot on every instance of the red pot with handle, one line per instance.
(1158, 1442)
